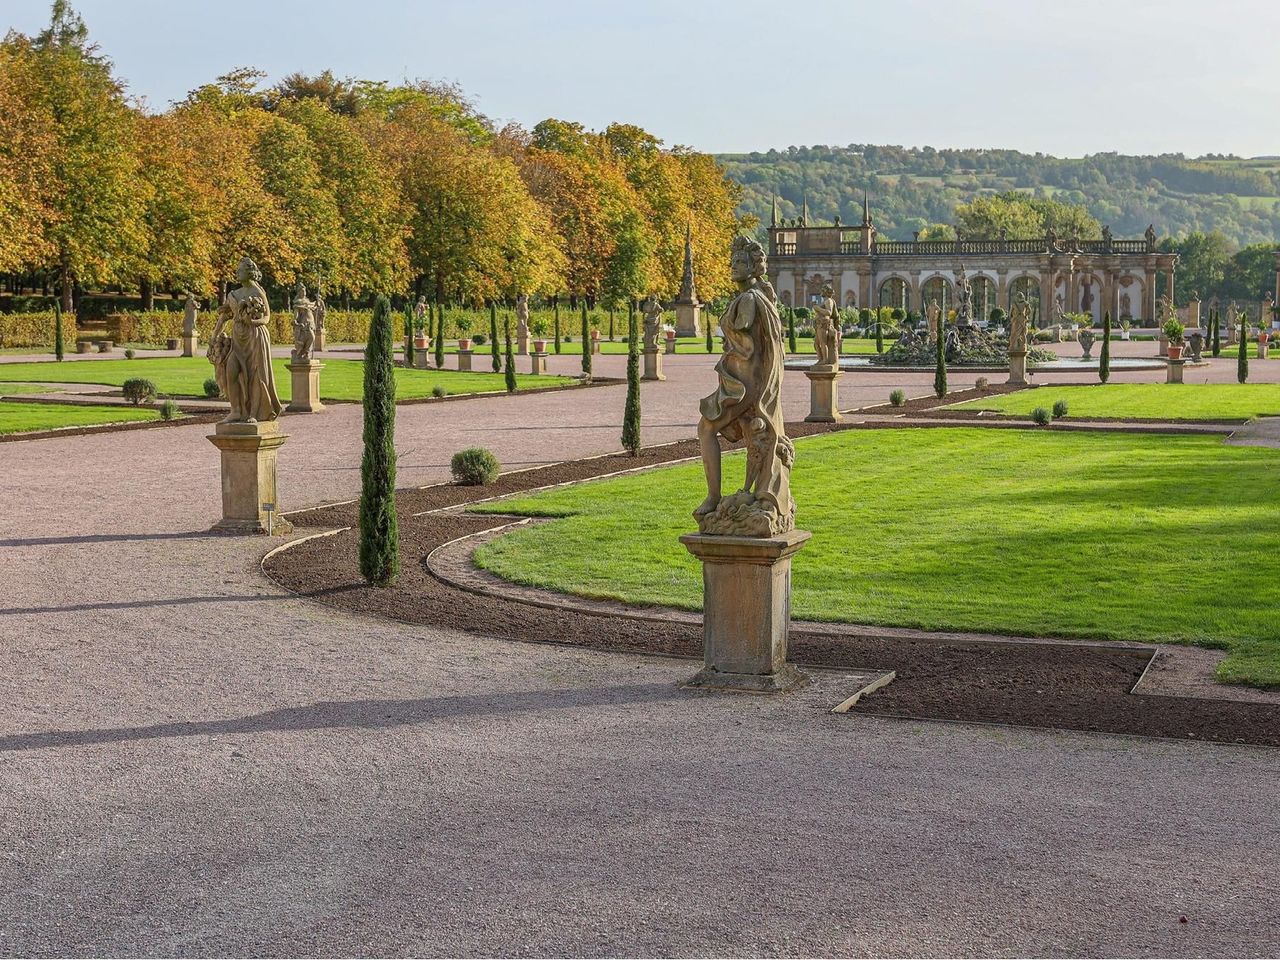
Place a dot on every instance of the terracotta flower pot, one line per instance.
(464, 343)
(420, 343)
(1175, 352)
(539, 346)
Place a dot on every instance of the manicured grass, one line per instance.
(1176, 401)
(1232, 350)
(22, 417)
(1121, 537)
(11, 389)
(339, 380)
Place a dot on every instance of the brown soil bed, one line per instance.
(1077, 687)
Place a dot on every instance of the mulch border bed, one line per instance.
(1055, 686)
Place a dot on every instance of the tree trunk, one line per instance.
(147, 293)
(64, 278)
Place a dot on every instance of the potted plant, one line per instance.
(1173, 333)
(464, 330)
(538, 325)
(1086, 343)
(1124, 329)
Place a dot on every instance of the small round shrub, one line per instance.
(1041, 416)
(982, 383)
(897, 398)
(1059, 409)
(211, 388)
(478, 339)
(474, 467)
(128, 353)
(439, 392)
(137, 389)
(169, 410)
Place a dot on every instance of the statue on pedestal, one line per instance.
(319, 310)
(747, 406)
(1019, 325)
(825, 335)
(189, 314)
(1126, 307)
(242, 357)
(652, 324)
(964, 300)
(522, 316)
(933, 313)
(304, 325)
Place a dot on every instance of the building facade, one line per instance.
(1076, 276)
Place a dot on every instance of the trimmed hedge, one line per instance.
(34, 329)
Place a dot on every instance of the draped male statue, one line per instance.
(825, 335)
(652, 324)
(242, 357)
(747, 406)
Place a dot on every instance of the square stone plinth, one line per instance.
(320, 338)
(746, 584)
(652, 366)
(464, 360)
(1017, 369)
(249, 477)
(688, 320)
(522, 345)
(422, 358)
(538, 364)
(305, 386)
(824, 394)
(190, 342)
(1174, 371)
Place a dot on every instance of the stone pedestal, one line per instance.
(319, 344)
(538, 364)
(595, 342)
(522, 344)
(464, 359)
(688, 319)
(421, 358)
(105, 346)
(306, 386)
(671, 341)
(190, 342)
(1017, 369)
(652, 366)
(1262, 350)
(249, 478)
(746, 583)
(83, 346)
(824, 394)
(1163, 348)
(1173, 373)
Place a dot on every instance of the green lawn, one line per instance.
(339, 380)
(1121, 537)
(1168, 401)
(1232, 350)
(22, 417)
(11, 389)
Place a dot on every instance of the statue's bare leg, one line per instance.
(709, 442)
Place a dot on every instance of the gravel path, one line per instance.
(192, 763)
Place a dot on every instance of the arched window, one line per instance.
(893, 293)
(937, 288)
(1030, 287)
(984, 297)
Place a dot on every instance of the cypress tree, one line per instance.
(631, 412)
(493, 336)
(57, 329)
(379, 538)
(1104, 359)
(511, 360)
(439, 336)
(1215, 332)
(940, 373)
(557, 312)
(711, 337)
(586, 342)
(791, 331)
(880, 348)
(611, 324)
(1242, 361)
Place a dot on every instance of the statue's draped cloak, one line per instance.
(750, 389)
(252, 345)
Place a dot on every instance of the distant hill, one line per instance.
(911, 188)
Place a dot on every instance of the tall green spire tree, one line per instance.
(493, 337)
(1104, 358)
(439, 336)
(556, 310)
(711, 336)
(586, 341)
(1215, 332)
(791, 331)
(57, 329)
(1242, 360)
(379, 536)
(940, 371)
(631, 411)
(511, 360)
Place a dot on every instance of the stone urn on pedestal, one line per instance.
(745, 541)
(464, 353)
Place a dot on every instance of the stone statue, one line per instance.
(1019, 325)
(1059, 310)
(242, 358)
(747, 406)
(652, 323)
(933, 314)
(825, 337)
(189, 314)
(319, 310)
(304, 325)
(522, 316)
(420, 315)
(1196, 342)
(1086, 298)
(964, 300)
(1126, 307)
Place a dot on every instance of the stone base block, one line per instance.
(595, 347)
(319, 344)
(538, 364)
(652, 366)
(1173, 373)
(190, 343)
(522, 345)
(824, 394)
(746, 584)
(83, 346)
(671, 344)
(1262, 350)
(464, 360)
(306, 386)
(688, 320)
(1017, 370)
(249, 478)
(422, 358)
(105, 346)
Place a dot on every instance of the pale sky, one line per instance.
(1067, 78)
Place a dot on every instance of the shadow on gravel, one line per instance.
(107, 538)
(134, 604)
(358, 714)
